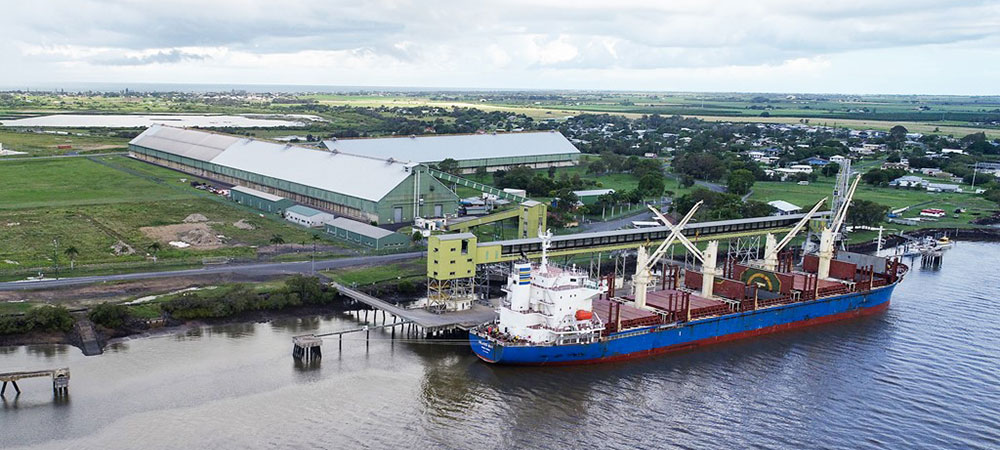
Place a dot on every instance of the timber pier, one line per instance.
(60, 380)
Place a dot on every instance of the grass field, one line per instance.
(90, 206)
(361, 276)
(714, 107)
(44, 144)
(806, 196)
(74, 182)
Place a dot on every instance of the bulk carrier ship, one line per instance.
(558, 315)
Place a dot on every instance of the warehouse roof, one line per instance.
(200, 145)
(256, 193)
(784, 206)
(304, 211)
(357, 176)
(353, 175)
(593, 192)
(459, 147)
(358, 227)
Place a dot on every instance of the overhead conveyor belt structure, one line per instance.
(509, 250)
(452, 258)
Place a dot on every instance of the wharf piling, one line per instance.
(931, 259)
(307, 347)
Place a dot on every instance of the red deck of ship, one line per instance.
(661, 300)
(799, 282)
(629, 312)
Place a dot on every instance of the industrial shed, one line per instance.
(369, 189)
(471, 151)
(364, 234)
(306, 216)
(259, 200)
(589, 197)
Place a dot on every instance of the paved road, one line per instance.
(260, 269)
(705, 184)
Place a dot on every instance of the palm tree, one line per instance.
(71, 252)
(154, 248)
(276, 239)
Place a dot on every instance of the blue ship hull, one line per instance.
(658, 339)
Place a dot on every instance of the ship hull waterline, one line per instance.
(660, 339)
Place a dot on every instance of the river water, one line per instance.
(925, 374)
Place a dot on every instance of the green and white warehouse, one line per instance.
(538, 150)
(365, 188)
(364, 234)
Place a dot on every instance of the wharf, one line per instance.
(430, 321)
(60, 380)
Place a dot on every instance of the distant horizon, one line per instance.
(882, 47)
(290, 88)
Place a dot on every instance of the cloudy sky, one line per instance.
(844, 46)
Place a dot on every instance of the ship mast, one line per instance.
(546, 243)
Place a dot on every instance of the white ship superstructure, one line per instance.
(547, 304)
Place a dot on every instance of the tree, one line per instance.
(416, 236)
(651, 185)
(109, 315)
(153, 249)
(71, 252)
(898, 132)
(276, 239)
(830, 170)
(597, 167)
(740, 182)
(866, 213)
(449, 165)
(53, 318)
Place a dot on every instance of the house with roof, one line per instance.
(784, 208)
(909, 181)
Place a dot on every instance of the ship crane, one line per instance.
(645, 262)
(708, 258)
(826, 239)
(773, 247)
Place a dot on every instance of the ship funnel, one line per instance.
(520, 287)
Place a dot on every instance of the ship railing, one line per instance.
(596, 325)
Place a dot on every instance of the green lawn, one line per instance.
(806, 196)
(73, 182)
(415, 269)
(41, 144)
(90, 206)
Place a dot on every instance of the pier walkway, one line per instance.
(427, 320)
(60, 379)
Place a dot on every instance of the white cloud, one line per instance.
(628, 44)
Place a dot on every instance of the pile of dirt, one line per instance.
(201, 237)
(243, 225)
(195, 218)
(120, 248)
(198, 235)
